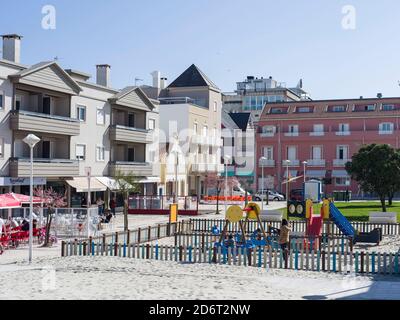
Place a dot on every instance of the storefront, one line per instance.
(19, 185)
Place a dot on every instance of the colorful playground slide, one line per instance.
(315, 226)
(341, 222)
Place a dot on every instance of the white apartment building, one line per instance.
(190, 128)
(81, 124)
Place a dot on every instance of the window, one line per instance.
(338, 108)
(101, 118)
(1, 100)
(278, 110)
(205, 131)
(388, 107)
(18, 102)
(316, 152)
(100, 153)
(268, 152)
(342, 152)
(369, 107)
(195, 127)
(81, 113)
(342, 181)
(215, 106)
(131, 154)
(344, 129)
(268, 130)
(293, 129)
(131, 120)
(1, 148)
(386, 128)
(215, 132)
(318, 130)
(152, 124)
(304, 109)
(292, 153)
(80, 152)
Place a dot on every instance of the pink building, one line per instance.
(323, 133)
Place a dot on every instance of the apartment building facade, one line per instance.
(190, 131)
(324, 134)
(80, 124)
(253, 93)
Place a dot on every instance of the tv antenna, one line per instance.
(137, 80)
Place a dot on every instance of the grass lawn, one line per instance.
(359, 211)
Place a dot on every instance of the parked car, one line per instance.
(272, 196)
(297, 195)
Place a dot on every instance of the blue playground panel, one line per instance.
(341, 222)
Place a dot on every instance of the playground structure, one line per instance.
(331, 213)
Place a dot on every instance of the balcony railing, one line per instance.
(20, 167)
(343, 133)
(41, 122)
(340, 162)
(131, 167)
(291, 134)
(317, 133)
(293, 163)
(267, 163)
(130, 134)
(316, 162)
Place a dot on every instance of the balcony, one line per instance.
(317, 133)
(293, 163)
(342, 133)
(199, 167)
(291, 134)
(41, 122)
(267, 134)
(20, 167)
(267, 163)
(316, 162)
(140, 169)
(340, 162)
(130, 134)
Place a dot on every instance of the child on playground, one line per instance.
(284, 238)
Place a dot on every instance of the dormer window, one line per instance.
(277, 110)
(388, 107)
(337, 108)
(364, 108)
(304, 109)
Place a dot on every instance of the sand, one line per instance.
(53, 277)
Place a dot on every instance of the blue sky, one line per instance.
(227, 39)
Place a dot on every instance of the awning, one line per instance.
(293, 173)
(316, 173)
(109, 183)
(150, 180)
(81, 184)
(340, 174)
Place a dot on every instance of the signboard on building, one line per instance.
(9, 181)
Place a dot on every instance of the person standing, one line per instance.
(284, 239)
(113, 205)
(100, 205)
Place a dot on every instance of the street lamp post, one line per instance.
(287, 162)
(304, 166)
(31, 140)
(262, 159)
(227, 159)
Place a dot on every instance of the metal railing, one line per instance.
(43, 115)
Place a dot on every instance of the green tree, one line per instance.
(375, 168)
(126, 184)
(395, 177)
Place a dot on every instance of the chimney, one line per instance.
(103, 75)
(12, 47)
(156, 79)
(163, 83)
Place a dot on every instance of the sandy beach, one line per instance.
(53, 277)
